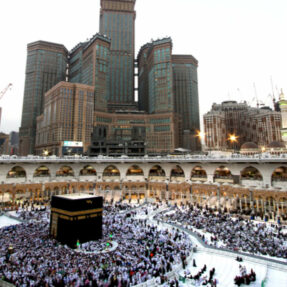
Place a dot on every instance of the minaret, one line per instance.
(283, 108)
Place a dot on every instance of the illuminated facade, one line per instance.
(215, 130)
(246, 124)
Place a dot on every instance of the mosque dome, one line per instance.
(249, 145)
(276, 144)
(249, 148)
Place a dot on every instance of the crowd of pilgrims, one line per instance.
(229, 231)
(200, 279)
(144, 252)
(244, 278)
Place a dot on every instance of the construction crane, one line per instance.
(2, 93)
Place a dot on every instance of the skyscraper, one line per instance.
(89, 65)
(45, 67)
(117, 21)
(155, 77)
(185, 90)
(165, 117)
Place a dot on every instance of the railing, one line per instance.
(184, 158)
(13, 217)
(272, 263)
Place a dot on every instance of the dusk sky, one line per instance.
(239, 43)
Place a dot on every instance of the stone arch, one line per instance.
(177, 174)
(42, 171)
(88, 170)
(177, 171)
(279, 174)
(134, 170)
(156, 171)
(223, 174)
(222, 171)
(65, 171)
(251, 172)
(133, 187)
(198, 173)
(16, 171)
(111, 171)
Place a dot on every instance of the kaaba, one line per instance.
(76, 218)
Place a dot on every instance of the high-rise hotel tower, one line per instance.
(45, 67)
(71, 95)
(117, 22)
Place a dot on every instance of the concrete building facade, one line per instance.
(215, 130)
(160, 132)
(258, 125)
(68, 116)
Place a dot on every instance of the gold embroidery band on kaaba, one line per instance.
(76, 213)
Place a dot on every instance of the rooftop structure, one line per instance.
(76, 196)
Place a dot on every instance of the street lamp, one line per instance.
(233, 139)
(200, 134)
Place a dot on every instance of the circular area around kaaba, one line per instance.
(143, 251)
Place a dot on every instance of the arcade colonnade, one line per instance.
(257, 188)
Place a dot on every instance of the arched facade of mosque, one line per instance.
(261, 188)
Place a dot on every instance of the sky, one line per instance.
(241, 45)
